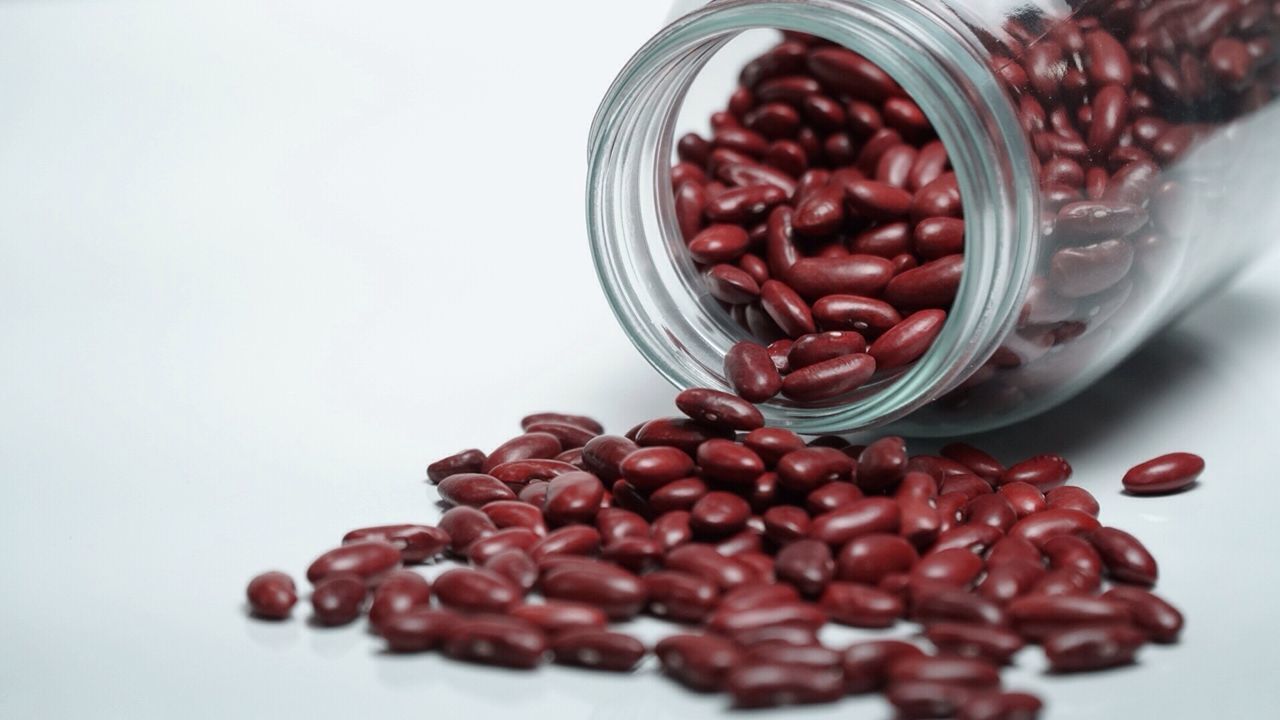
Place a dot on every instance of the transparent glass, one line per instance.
(1083, 236)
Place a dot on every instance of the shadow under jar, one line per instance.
(1117, 162)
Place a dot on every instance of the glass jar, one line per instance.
(1091, 218)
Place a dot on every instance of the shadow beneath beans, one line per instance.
(1178, 357)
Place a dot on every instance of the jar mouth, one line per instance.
(658, 296)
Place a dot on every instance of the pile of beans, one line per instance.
(824, 216)
(752, 540)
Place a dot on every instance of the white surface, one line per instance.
(261, 262)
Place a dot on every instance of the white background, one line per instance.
(261, 261)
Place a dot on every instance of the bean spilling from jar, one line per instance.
(752, 539)
(825, 217)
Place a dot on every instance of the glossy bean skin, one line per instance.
(1070, 552)
(474, 489)
(772, 684)
(338, 599)
(1126, 559)
(589, 424)
(866, 664)
(991, 509)
(719, 514)
(703, 561)
(725, 621)
(1040, 527)
(464, 525)
(518, 473)
(964, 672)
(867, 316)
(515, 514)
(679, 596)
(720, 409)
(1036, 617)
(496, 640)
(418, 630)
(557, 616)
(514, 538)
(869, 558)
(860, 605)
(882, 464)
(1025, 498)
(919, 699)
(807, 469)
(619, 593)
(597, 650)
(399, 592)
(368, 559)
(475, 590)
(1086, 649)
(785, 306)
(516, 566)
(680, 433)
(771, 444)
(807, 565)
(1152, 614)
(699, 662)
(532, 445)
(573, 498)
(955, 567)
(1001, 706)
(979, 461)
(604, 454)
(1044, 472)
(465, 461)
(1072, 498)
(819, 347)
(568, 540)
(864, 517)
(908, 340)
(991, 643)
(1165, 474)
(728, 462)
(932, 285)
(271, 595)
(616, 524)
(941, 603)
(829, 378)
(751, 372)
(651, 468)
(682, 494)
(1010, 579)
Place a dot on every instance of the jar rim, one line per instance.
(945, 70)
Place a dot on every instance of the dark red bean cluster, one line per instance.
(824, 215)
(753, 540)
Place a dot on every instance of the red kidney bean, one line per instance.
(555, 616)
(932, 285)
(1092, 648)
(821, 213)
(418, 630)
(1074, 553)
(860, 605)
(1074, 498)
(757, 595)
(368, 559)
(744, 204)
(1040, 527)
(1025, 498)
(474, 489)
(939, 198)
(597, 649)
(894, 166)
(1009, 549)
(690, 203)
(915, 700)
(1165, 474)
(1152, 614)
(1037, 616)
(870, 558)
(338, 598)
(731, 284)
(727, 622)
(771, 684)
(719, 514)
(417, 543)
(570, 436)
(681, 433)
(680, 596)
(882, 464)
(464, 525)
(705, 562)
(866, 664)
(807, 565)
(1067, 581)
(1125, 558)
(272, 595)
(847, 73)
(819, 347)
(634, 554)
(476, 590)
(1077, 272)
(829, 378)
(775, 636)
(993, 510)
(785, 523)
(515, 514)
(1001, 706)
(719, 409)
(864, 517)
(616, 591)
(465, 461)
(1042, 471)
(887, 240)
(589, 424)
(806, 655)
(516, 566)
(679, 495)
(816, 278)
(400, 592)
(1099, 219)
(831, 496)
(979, 461)
(573, 498)
(956, 566)
(568, 540)
(994, 644)
(957, 671)
(728, 462)
(648, 469)
(718, 244)
(771, 444)
(974, 538)
(786, 308)
(810, 468)
(672, 529)
(1010, 579)
(535, 493)
(968, 485)
(495, 640)
(933, 603)
(751, 372)
(867, 316)
(908, 340)
(604, 454)
(516, 538)
(615, 524)
(517, 473)
(699, 662)
(534, 445)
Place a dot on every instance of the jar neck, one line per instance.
(654, 289)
